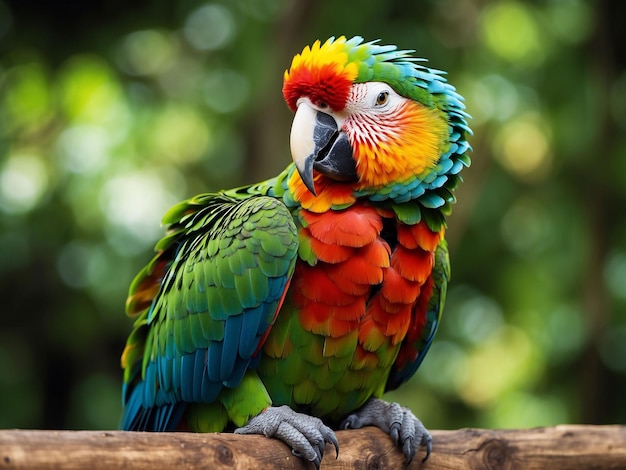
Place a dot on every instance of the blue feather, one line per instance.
(250, 325)
(176, 373)
(432, 201)
(214, 361)
(199, 371)
(149, 385)
(237, 373)
(230, 348)
(188, 377)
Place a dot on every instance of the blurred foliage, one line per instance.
(112, 111)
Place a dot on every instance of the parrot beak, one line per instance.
(317, 144)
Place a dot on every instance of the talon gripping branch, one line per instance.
(277, 307)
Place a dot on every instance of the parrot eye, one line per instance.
(382, 98)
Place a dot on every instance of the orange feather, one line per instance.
(397, 325)
(354, 274)
(397, 289)
(414, 236)
(329, 253)
(356, 227)
(370, 337)
(414, 265)
(340, 328)
(415, 137)
(377, 254)
(329, 193)
(364, 359)
(415, 331)
(315, 285)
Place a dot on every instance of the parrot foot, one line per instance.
(306, 435)
(399, 422)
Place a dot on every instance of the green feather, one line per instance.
(407, 213)
(203, 417)
(246, 400)
(231, 254)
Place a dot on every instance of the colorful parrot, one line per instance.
(289, 307)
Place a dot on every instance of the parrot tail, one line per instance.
(162, 418)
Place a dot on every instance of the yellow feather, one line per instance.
(413, 148)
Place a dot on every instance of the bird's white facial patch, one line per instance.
(372, 112)
(373, 97)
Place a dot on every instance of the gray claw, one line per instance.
(306, 435)
(394, 432)
(400, 423)
(332, 439)
(408, 451)
(427, 441)
(351, 422)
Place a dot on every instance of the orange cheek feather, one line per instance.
(413, 145)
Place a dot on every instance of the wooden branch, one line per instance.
(560, 447)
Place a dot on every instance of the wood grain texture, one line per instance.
(559, 447)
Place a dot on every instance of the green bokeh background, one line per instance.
(112, 111)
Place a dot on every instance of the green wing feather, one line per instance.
(205, 303)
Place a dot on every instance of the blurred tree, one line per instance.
(111, 111)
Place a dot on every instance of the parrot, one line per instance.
(287, 308)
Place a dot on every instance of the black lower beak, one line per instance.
(337, 162)
(332, 156)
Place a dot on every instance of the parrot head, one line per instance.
(370, 118)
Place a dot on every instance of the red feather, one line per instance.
(356, 227)
(398, 289)
(414, 334)
(328, 253)
(414, 236)
(322, 85)
(415, 265)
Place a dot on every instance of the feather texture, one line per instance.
(230, 264)
(269, 294)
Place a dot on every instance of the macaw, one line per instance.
(289, 307)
